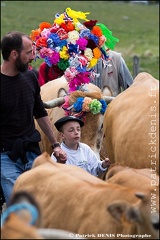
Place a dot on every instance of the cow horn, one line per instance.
(54, 103)
(108, 99)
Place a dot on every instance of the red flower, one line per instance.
(91, 44)
(68, 26)
(90, 24)
(41, 42)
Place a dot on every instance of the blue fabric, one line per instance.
(20, 206)
(10, 171)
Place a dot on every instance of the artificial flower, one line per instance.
(41, 42)
(102, 40)
(97, 31)
(70, 73)
(35, 34)
(96, 53)
(63, 64)
(63, 53)
(91, 44)
(104, 106)
(44, 25)
(78, 104)
(73, 36)
(68, 26)
(95, 106)
(85, 105)
(46, 52)
(92, 63)
(88, 53)
(90, 24)
(82, 60)
(82, 43)
(62, 34)
(54, 59)
(45, 33)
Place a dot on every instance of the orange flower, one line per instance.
(41, 42)
(97, 31)
(96, 53)
(85, 105)
(35, 34)
(44, 25)
(70, 26)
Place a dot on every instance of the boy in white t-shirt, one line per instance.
(79, 154)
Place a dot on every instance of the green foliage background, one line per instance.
(136, 25)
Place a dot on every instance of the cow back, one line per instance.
(131, 125)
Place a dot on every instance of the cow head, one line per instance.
(93, 119)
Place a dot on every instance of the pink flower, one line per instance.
(83, 60)
(54, 28)
(82, 42)
(102, 40)
(70, 73)
(54, 59)
(46, 52)
(45, 33)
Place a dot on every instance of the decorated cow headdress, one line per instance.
(73, 46)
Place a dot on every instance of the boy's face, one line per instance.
(71, 133)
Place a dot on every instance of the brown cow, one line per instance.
(131, 125)
(16, 220)
(130, 177)
(86, 205)
(92, 130)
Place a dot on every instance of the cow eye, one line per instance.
(98, 144)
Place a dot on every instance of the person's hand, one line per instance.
(60, 155)
(106, 163)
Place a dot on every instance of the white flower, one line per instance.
(88, 53)
(73, 36)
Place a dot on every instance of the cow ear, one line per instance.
(123, 212)
(107, 91)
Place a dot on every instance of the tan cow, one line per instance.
(131, 125)
(92, 130)
(130, 177)
(86, 205)
(21, 220)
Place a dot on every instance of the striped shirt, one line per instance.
(20, 104)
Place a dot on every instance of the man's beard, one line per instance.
(21, 67)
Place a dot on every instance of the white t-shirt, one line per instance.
(83, 157)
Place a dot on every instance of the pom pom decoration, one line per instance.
(72, 46)
(88, 104)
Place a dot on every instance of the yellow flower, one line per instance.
(63, 53)
(92, 63)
